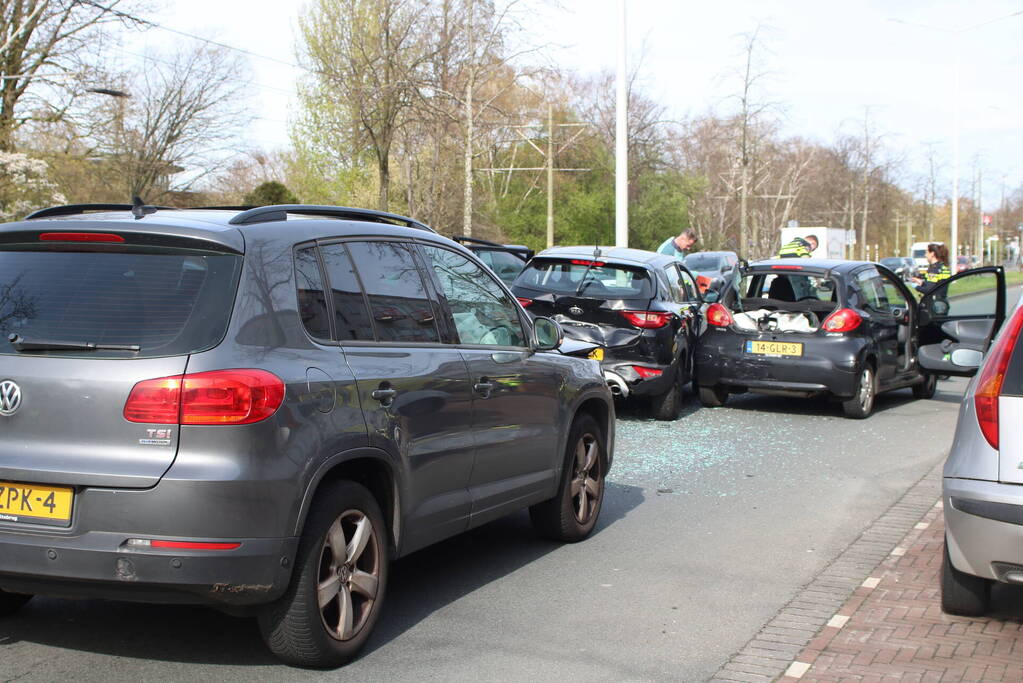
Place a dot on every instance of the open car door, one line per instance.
(957, 320)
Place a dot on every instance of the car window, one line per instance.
(700, 261)
(351, 317)
(587, 277)
(401, 309)
(674, 285)
(506, 266)
(872, 289)
(688, 286)
(892, 293)
(166, 302)
(788, 287)
(312, 299)
(969, 295)
(482, 311)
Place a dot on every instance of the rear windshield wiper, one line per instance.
(21, 344)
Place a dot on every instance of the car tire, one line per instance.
(963, 594)
(571, 515)
(713, 397)
(926, 389)
(12, 602)
(861, 405)
(668, 406)
(310, 627)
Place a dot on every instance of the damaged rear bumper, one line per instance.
(829, 365)
(101, 565)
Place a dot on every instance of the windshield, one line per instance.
(703, 262)
(919, 253)
(593, 279)
(165, 302)
(892, 262)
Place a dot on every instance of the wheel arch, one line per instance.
(370, 468)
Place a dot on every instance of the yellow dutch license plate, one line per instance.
(35, 504)
(773, 348)
(596, 354)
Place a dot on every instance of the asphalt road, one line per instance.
(710, 525)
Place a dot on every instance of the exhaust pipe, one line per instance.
(616, 384)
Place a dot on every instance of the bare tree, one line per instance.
(45, 47)
(748, 122)
(185, 111)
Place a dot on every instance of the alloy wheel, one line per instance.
(585, 487)
(866, 389)
(349, 575)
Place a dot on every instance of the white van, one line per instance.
(919, 253)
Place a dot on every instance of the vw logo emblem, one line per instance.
(10, 397)
(575, 310)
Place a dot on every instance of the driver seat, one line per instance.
(781, 289)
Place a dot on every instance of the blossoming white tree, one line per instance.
(24, 186)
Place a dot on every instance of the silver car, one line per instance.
(983, 478)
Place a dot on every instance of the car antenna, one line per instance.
(139, 208)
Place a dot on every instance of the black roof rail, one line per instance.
(279, 212)
(475, 240)
(221, 208)
(72, 209)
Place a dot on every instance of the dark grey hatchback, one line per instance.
(258, 410)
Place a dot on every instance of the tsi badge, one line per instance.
(157, 437)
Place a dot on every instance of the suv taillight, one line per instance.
(647, 320)
(219, 397)
(719, 316)
(989, 384)
(842, 320)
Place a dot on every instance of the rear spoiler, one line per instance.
(78, 232)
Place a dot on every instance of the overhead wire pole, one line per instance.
(954, 251)
(550, 176)
(622, 139)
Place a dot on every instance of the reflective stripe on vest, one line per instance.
(794, 249)
(942, 274)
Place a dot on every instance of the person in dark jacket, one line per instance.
(937, 268)
(801, 247)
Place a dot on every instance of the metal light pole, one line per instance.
(622, 139)
(954, 249)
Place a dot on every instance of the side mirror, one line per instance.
(939, 307)
(967, 358)
(547, 334)
(710, 296)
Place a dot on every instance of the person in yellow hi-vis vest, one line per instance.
(937, 268)
(801, 247)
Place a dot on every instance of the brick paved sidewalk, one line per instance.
(892, 628)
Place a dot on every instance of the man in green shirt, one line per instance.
(679, 245)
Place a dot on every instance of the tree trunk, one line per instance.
(384, 169)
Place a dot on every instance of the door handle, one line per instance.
(385, 395)
(483, 387)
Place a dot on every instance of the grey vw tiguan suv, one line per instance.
(258, 410)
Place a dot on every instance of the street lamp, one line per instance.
(954, 227)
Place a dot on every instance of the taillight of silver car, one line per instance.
(220, 397)
(989, 384)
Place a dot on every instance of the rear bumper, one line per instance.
(98, 564)
(828, 364)
(625, 381)
(984, 526)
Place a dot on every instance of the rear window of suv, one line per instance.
(167, 302)
(587, 278)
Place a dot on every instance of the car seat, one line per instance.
(781, 289)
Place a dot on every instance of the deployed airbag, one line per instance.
(765, 320)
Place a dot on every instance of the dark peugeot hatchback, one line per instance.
(258, 410)
(641, 308)
(841, 329)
